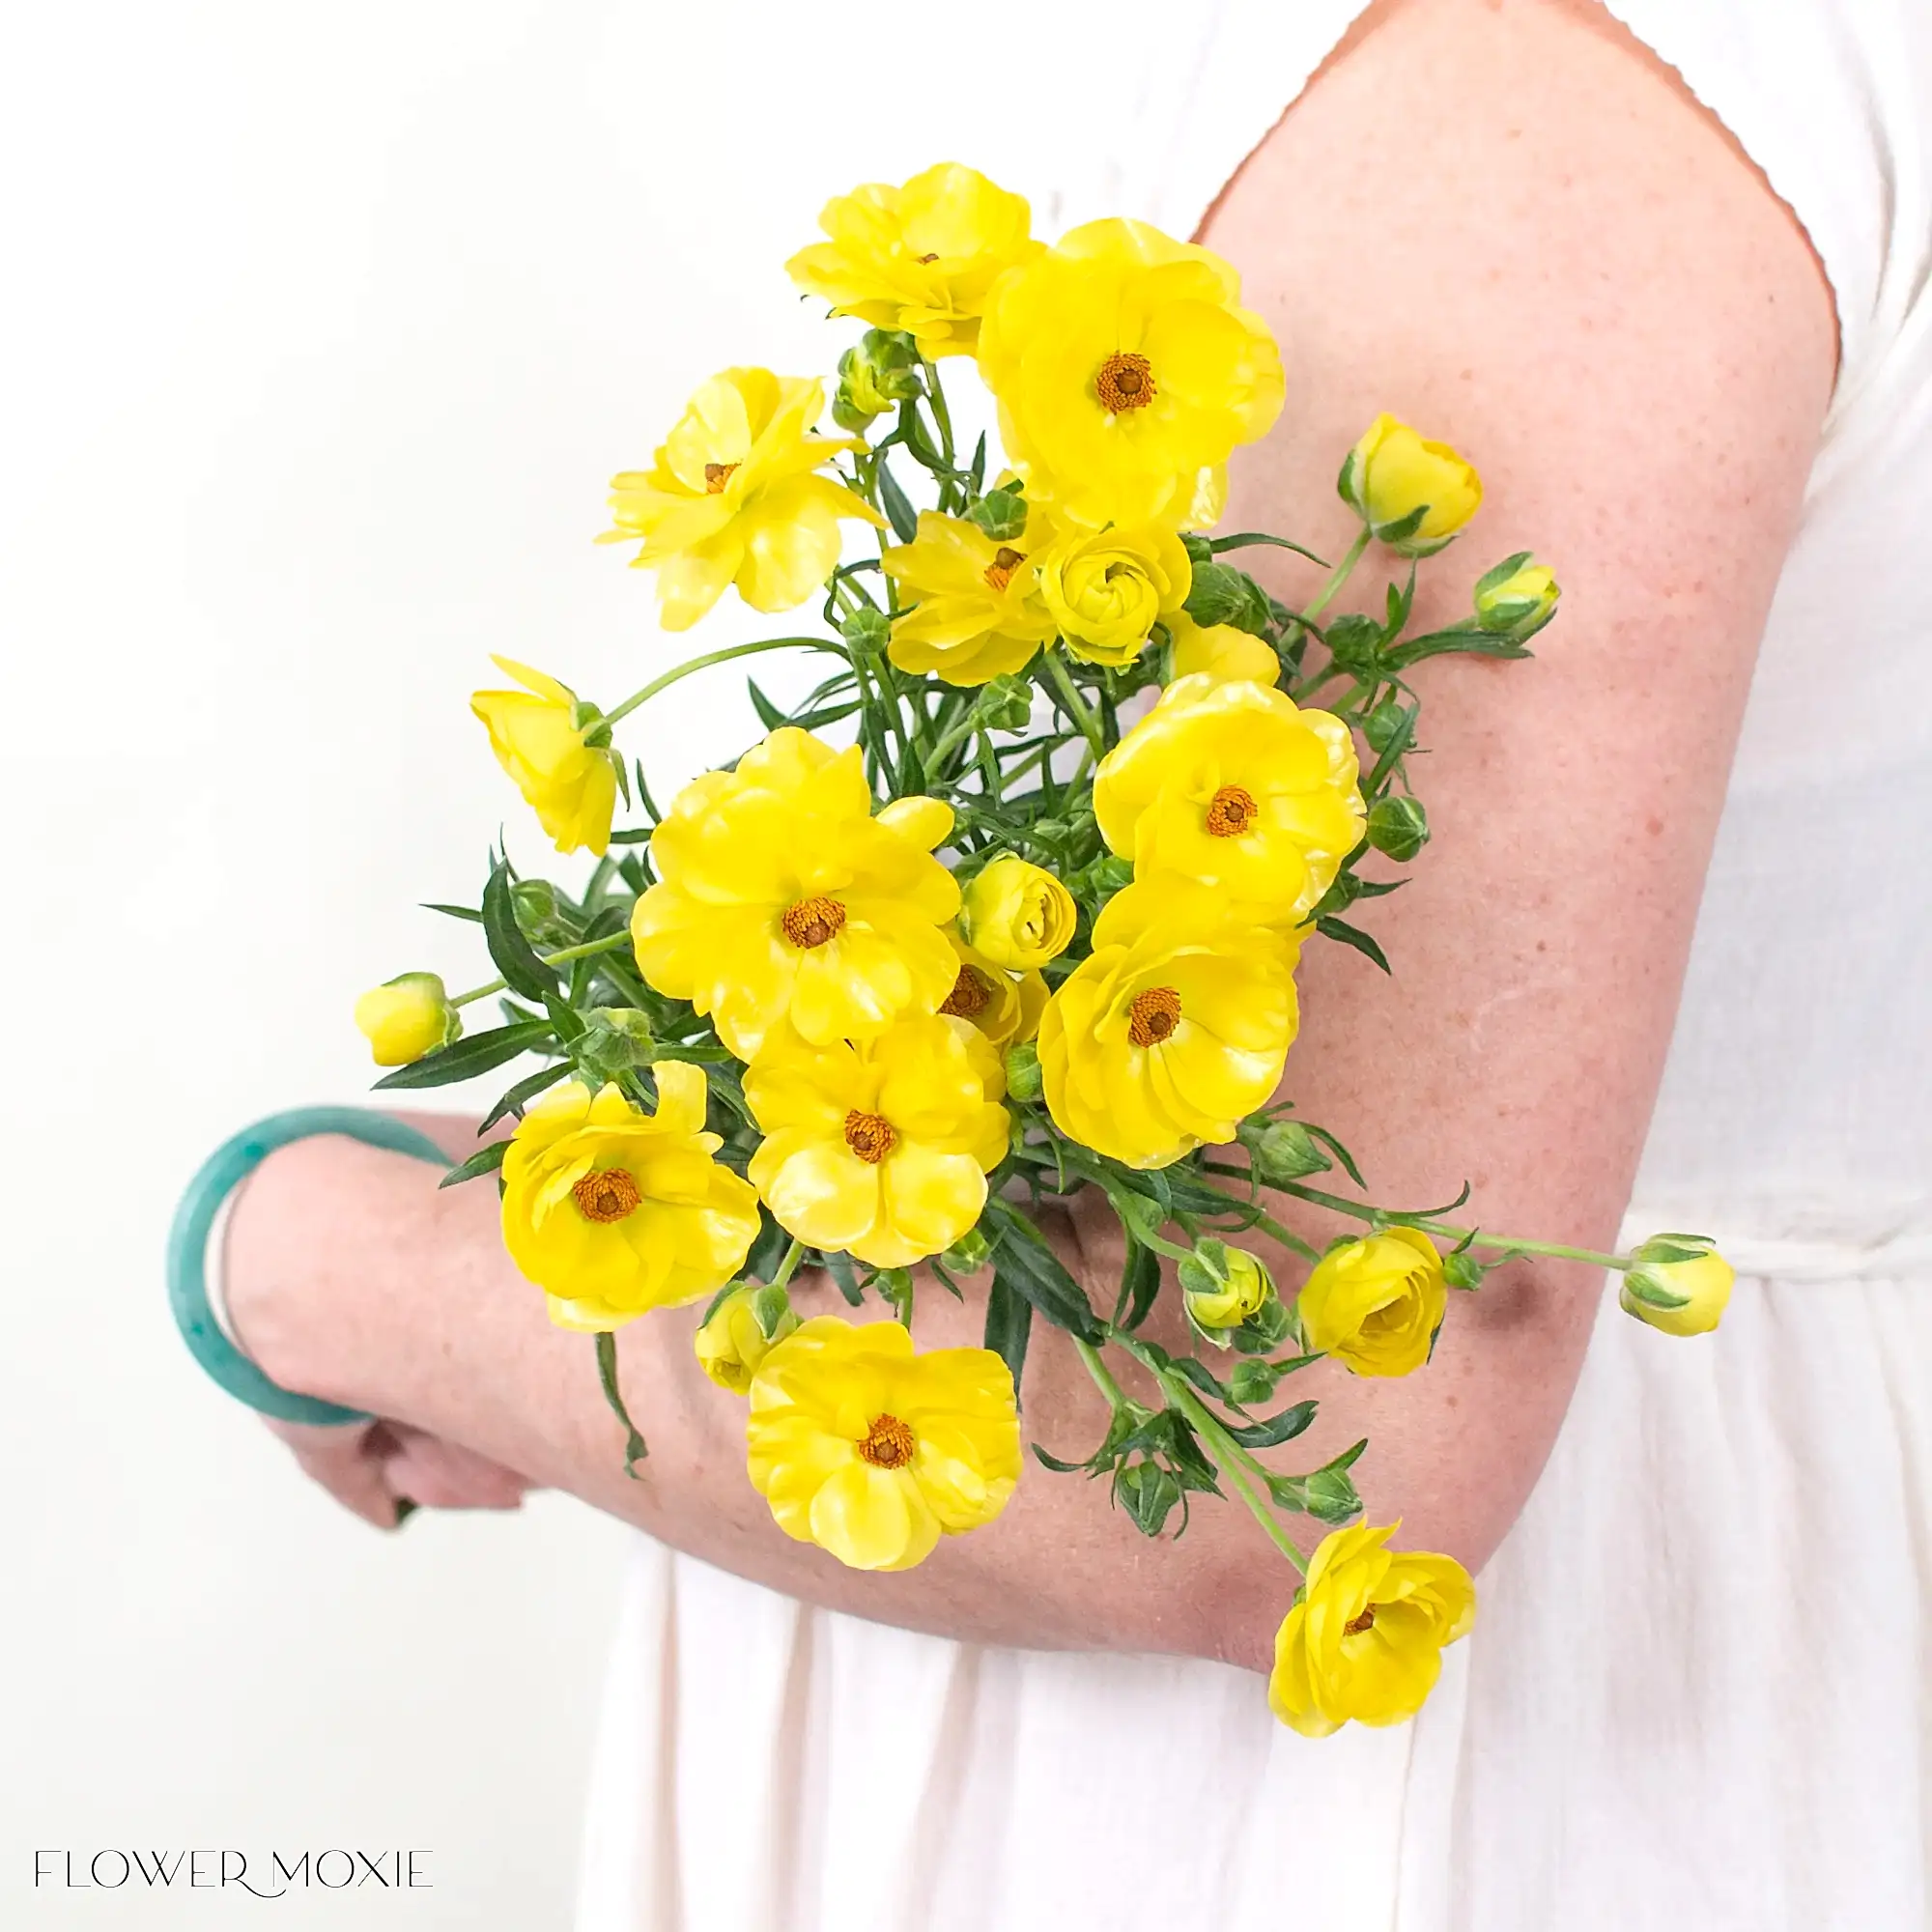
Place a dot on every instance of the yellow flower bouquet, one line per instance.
(1008, 908)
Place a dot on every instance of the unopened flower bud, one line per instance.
(867, 629)
(614, 1040)
(1220, 594)
(1516, 598)
(1286, 1151)
(1399, 827)
(1413, 494)
(407, 1017)
(1023, 1075)
(881, 371)
(969, 1253)
(1222, 1285)
(734, 1341)
(1017, 914)
(1148, 1493)
(1352, 641)
(1461, 1269)
(1386, 723)
(1002, 513)
(1004, 703)
(1681, 1285)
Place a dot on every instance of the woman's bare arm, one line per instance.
(1506, 224)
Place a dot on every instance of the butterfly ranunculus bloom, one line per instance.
(572, 786)
(1223, 652)
(407, 1017)
(1017, 914)
(1005, 1005)
(781, 897)
(976, 606)
(729, 1345)
(1176, 1025)
(874, 1452)
(879, 1150)
(922, 258)
(1126, 371)
(1107, 588)
(1365, 1642)
(1375, 1303)
(1234, 785)
(613, 1212)
(733, 497)
(1412, 493)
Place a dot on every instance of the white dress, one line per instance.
(1721, 1721)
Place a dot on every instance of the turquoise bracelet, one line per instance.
(194, 1219)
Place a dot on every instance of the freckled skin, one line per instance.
(1600, 306)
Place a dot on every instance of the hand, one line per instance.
(384, 1470)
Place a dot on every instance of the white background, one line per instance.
(323, 329)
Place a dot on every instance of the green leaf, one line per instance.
(1351, 935)
(479, 1053)
(454, 912)
(1059, 1467)
(1140, 1283)
(1242, 539)
(516, 958)
(1284, 1426)
(845, 1277)
(1009, 1325)
(899, 513)
(485, 1160)
(526, 1089)
(1021, 1254)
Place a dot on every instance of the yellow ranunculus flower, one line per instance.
(1006, 1006)
(976, 610)
(781, 896)
(732, 497)
(1017, 915)
(922, 258)
(613, 1212)
(1106, 588)
(1412, 493)
(1245, 1290)
(1699, 1287)
(874, 1452)
(1375, 1303)
(1234, 785)
(1365, 1642)
(1127, 371)
(1223, 652)
(729, 1345)
(1176, 1027)
(571, 785)
(881, 1149)
(407, 1017)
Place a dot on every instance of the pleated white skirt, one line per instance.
(1696, 1697)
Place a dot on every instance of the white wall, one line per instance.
(323, 329)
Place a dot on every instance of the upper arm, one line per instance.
(1505, 222)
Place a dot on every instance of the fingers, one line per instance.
(446, 1476)
(349, 1464)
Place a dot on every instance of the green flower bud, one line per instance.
(1223, 1286)
(1354, 640)
(1002, 513)
(535, 903)
(1516, 598)
(1286, 1151)
(1386, 723)
(882, 371)
(1461, 1269)
(1024, 1081)
(603, 1051)
(1004, 703)
(867, 629)
(1399, 827)
(1220, 594)
(1148, 1493)
(1200, 550)
(1252, 1380)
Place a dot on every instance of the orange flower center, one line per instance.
(812, 921)
(1000, 572)
(870, 1136)
(1154, 1015)
(889, 1443)
(1356, 1626)
(969, 994)
(716, 477)
(606, 1194)
(1232, 811)
(1124, 382)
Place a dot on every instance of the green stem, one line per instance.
(612, 943)
(685, 669)
(941, 417)
(1103, 1378)
(789, 1266)
(635, 1451)
(1340, 575)
(1074, 705)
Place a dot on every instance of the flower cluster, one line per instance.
(1010, 906)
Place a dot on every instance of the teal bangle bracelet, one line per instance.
(194, 1220)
